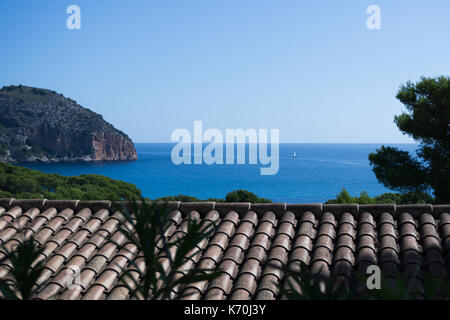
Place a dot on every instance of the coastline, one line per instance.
(318, 173)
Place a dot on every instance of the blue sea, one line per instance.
(317, 174)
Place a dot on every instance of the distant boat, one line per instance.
(294, 155)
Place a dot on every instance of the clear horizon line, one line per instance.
(171, 142)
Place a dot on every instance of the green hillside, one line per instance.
(23, 183)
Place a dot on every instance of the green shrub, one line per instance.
(416, 197)
(244, 196)
(233, 196)
(20, 183)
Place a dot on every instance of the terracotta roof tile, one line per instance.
(66, 250)
(257, 252)
(241, 294)
(41, 219)
(60, 236)
(215, 294)
(223, 283)
(250, 217)
(251, 245)
(118, 293)
(246, 282)
(98, 238)
(245, 228)
(49, 292)
(95, 292)
(268, 288)
(234, 253)
(227, 227)
(107, 279)
(251, 266)
(77, 261)
(78, 238)
(96, 264)
(230, 267)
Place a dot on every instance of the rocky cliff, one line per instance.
(42, 125)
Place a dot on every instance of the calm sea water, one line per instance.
(317, 174)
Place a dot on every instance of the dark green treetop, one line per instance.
(427, 120)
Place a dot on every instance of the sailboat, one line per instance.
(294, 155)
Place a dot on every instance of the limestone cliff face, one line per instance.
(113, 147)
(41, 125)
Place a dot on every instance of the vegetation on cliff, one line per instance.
(42, 125)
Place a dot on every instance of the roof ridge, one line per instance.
(241, 207)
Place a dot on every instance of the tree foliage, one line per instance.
(22, 183)
(244, 196)
(233, 196)
(415, 197)
(427, 120)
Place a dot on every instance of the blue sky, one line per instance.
(309, 68)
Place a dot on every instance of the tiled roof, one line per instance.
(248, 240)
